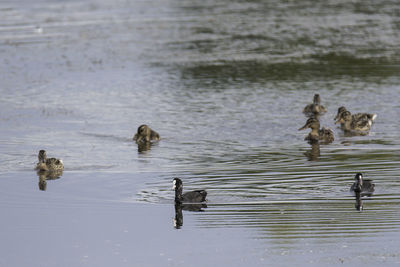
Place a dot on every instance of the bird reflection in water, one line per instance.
(42, 182)
(178, 220)
(359, 204)
(314, 153)
(143, 147)
(47, 175)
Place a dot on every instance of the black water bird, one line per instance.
(362, 186)
(196, 196)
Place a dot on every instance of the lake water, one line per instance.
(224, 83)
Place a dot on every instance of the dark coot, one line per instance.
(192, 196)
(362, 186)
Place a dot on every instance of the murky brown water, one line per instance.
(224, 83)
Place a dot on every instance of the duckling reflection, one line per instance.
(314, 153)
(42, 182)
(47, 175)
(178, 220)
(144, 146)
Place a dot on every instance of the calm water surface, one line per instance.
(224, 83)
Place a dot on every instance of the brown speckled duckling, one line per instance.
(315, 108)
(324, 135)
(146, 134)
(358, 118)
(51, 164)
(350, 123)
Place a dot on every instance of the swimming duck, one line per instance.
(51, 164)
(352, 123)
(361, 185)
(196, 196)
(315, 108)
(325, 135)
(355, 117)
(145, 134)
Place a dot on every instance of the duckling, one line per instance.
(315, 108)
(192, 196)
(51, 164)
(351, 123)
(339, 111)
(355, 117)
(362, 186)
(325, 135)
(145, 134)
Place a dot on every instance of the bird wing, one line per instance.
(361, 124)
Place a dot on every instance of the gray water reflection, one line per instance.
(287, 221)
